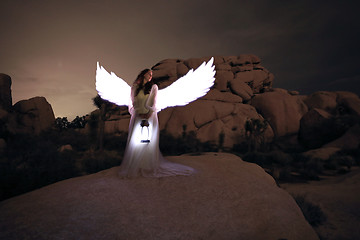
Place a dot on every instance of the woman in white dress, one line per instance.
(142, 154)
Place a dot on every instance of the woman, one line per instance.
(142, 154)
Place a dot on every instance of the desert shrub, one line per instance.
(187, 143)
(299, 160)
(355, 153)
(255, 133)
(331, 164)
(256, 157)
(315, 164)
(312, 213)
(240, 148)
(285, 175)
(308, 168)
(279, 157)
(343, 158)
(93, 162)
(31, 162)
(63, 123)
(273, 158)
(115, 142)
(78, 140)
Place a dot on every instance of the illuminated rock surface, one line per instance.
(226, 199)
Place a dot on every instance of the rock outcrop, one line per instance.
(208, 119)
(27, 116)
(282, 110)
(349, 140)
(226, 199)
(31, 116)
(222, 110)
(243, 90)
(330, 115)
(232, 73)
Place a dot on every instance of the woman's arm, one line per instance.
(151, 101)
(131, 102)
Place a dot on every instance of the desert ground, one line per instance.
(339, 199)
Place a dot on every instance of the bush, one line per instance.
(115, 143)
(187, 143)
(341, 159)
(93, 162)
(31, 162)
(312, 213)
(280, 158)
(256, 157)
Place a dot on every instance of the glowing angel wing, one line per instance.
(112, 88)
(188, 88)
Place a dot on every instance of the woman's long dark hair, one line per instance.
(139, 83)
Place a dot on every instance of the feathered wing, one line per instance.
(188, 88)
(112, 88)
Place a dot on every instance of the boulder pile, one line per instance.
(242, 91)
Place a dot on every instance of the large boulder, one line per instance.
(208, 119)
(322, 100)
(315, 128)
(318, 127)
(117, 126)
(226, 199)
(5, 92)
(350, 140)
(348, 103)
(31, 116)
(232, 72)
(339, 102)
(282, 110)
(323, 153)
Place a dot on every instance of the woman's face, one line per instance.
(148, 76)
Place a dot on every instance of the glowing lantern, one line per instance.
(144, 136)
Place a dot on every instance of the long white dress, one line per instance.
(145, 158)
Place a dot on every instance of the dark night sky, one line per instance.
(50, 48)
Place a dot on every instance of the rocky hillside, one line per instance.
(227, 199)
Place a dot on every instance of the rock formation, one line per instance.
(330, 115)
(31, 116)
(27, 116)
(282, 110)
(233, 73)
(243, 90)
(227, 199)
(222, 110)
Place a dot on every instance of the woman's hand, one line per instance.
(145, 116)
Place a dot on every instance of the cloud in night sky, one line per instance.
(50, 48)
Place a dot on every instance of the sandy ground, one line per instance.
(339, 198)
